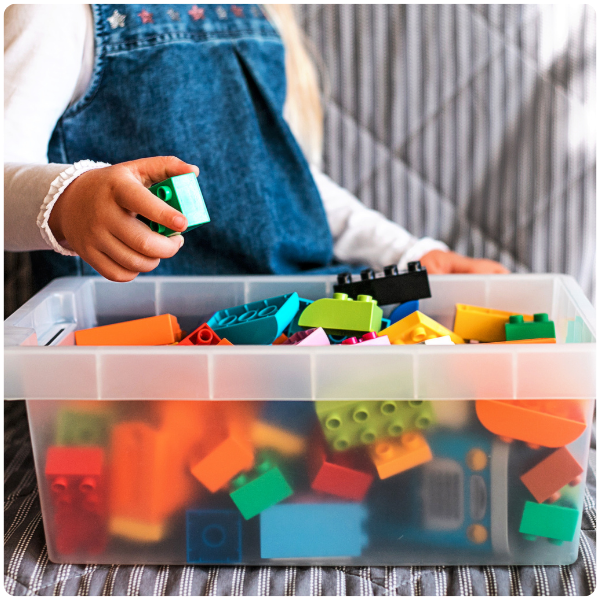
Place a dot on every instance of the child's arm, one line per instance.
(362, 235)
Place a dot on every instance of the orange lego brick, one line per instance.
(554, 472)
(280, 340)
(152, 331)
(147, 483)
(394, 456)
(416, 328)
(482, 324)
(534, 341)
(264, 435)
(203, 336)
(549, 423)
(224, 342)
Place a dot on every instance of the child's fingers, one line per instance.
(134, 197)
(107, 267)
(140, 238)
(158, 168)
(126, 257)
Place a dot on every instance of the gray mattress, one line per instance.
(27, 570)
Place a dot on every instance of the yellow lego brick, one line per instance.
(417, 328)
(135, 530)
(391, 457)
(264, 435)
(482, 324)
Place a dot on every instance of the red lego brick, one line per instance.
(557, 470)
(343, 474)
(203, 336)
(76, 477)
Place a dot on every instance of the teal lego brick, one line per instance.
(347, 424)
(293, 327)
(183, 193)
(82, 428)
(259, 489)
(557, 523)
(340, 314)
(259, 322)
(540, 327)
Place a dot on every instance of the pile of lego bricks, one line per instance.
(317, 479)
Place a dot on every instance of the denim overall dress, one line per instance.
(205, 83)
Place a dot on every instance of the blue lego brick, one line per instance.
(312, 530)
(259, 322)
(213, 536)
(297, 416)
(293, 327)
(403, 310)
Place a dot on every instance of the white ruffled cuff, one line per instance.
(57, 187)
(420, 249)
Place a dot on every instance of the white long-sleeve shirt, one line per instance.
(48, 64)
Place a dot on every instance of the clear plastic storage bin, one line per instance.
(229, 454)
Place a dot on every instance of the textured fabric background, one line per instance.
(473, 124)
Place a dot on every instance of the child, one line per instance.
(162, 90)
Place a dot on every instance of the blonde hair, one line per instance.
(303, 110)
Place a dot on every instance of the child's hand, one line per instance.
(439, 262)
(96, 216)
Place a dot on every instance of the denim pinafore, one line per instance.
(205, 83)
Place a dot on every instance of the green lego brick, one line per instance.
(340, 314)
(259, 489)
(540, 327)
(82, 428)
(353, 423)
(557, 523)
(182, 192)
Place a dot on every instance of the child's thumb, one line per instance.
(158, 168)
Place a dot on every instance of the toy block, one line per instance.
(282, 339)
(557, 523)
(549, 423)
(348, 423)
(77, 481)
(258, 322)
(151, 331)
(533, 341)
(311, 337)
(82, 427)
(224, 342)
(369, 339)
(391, 457)
(518, 329)
(482, 324)
(148, 481)
(203, 336)
(293, 327)
(213, 536)
(343, 474)
(417, 328)
(312, 530)
(264, 435)
(341, 314)
(390, 287)
(557, 470)
(335, 340)
(183, 193)
(263, 487)
(440, 341)
(296, 416)
(403, 310)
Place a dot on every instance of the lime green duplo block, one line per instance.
(260, 489)
(557, 523)
(540, 327)
(348, 423)
(341, 314)
(183, 193)
(82, 428)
